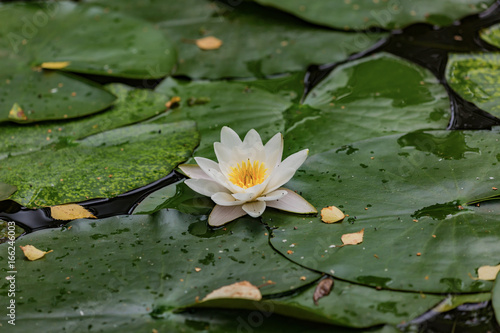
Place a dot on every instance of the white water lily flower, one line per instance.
(248, 177)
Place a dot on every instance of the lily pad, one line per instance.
(373, 307)
(363, 14)
(371, 97)
(103, 165)
(131, 266)
(6, 190)
(408, 194)
(216, 104)
(132, 105)
(257, 42)
(492, 35)
(68, 36)
(475, 78)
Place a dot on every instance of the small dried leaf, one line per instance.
(354, 238)
(487, 272)
(32, 253)
(242, 289)
(16, 113)
(70, 212)
(209, 43)
(331, 214)
(55, 65)
(322, 289)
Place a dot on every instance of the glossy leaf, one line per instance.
(216, 104)
(408, 192)
(6, 190)
(257, 42)
(372, 97)
(475, 78)
(363, 14)
(372, 306)
(103, 165)
(132, 105)
(131, 266)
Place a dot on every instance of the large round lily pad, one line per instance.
(371, 97)
(476, 78)
(408, 193)
(363, 14)
(103, 165)
(118, 267)
(37, 38)
(256, 41)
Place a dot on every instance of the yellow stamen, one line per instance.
(248, 174)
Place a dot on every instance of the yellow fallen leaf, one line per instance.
(354, 238)
(208, 43)
(32, 253)
(331, 214)
(70, 212)
(487, 272)
(55, 65)
(243, 289)
(16, 113)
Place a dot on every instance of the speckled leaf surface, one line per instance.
(373, 307)
(131, 106)
(405, 192)
(70, 36)
(103, 165)
(256, 42)
(476, 78)
(49, 95)
(363, 14)
(491, 35)
(372, 97)
(137, 265)
(216, 104)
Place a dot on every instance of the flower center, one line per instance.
(248, 174)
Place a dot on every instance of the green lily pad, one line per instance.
(475, 78)
(492, 35)
(363, 14)
(371, 97)
(68, 36)
(6, 190)
(257, 42)
(132, 105)
(408, 194)
(216, 104)
(373, 307)
(103, 165)
(105, 270)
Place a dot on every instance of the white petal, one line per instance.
(205, 187)
(274, 151)
(286, 169)
(193, 171)
(226, 157)
(254, 209)
(228, 137)
(225, 199)
(252, 139)
(222, 214)
(292, 202)
(275, 195)
(208, 166)
(294, 161)
(244, 196)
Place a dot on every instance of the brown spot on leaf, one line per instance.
(322, 289)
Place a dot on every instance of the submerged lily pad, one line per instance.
(476, 78)
(257, 42)
(363, 14)
(408, 193)
(137, 265)
(68, 36)
(103, 165)
(132, 105)
(371, 97)
(216, 104)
